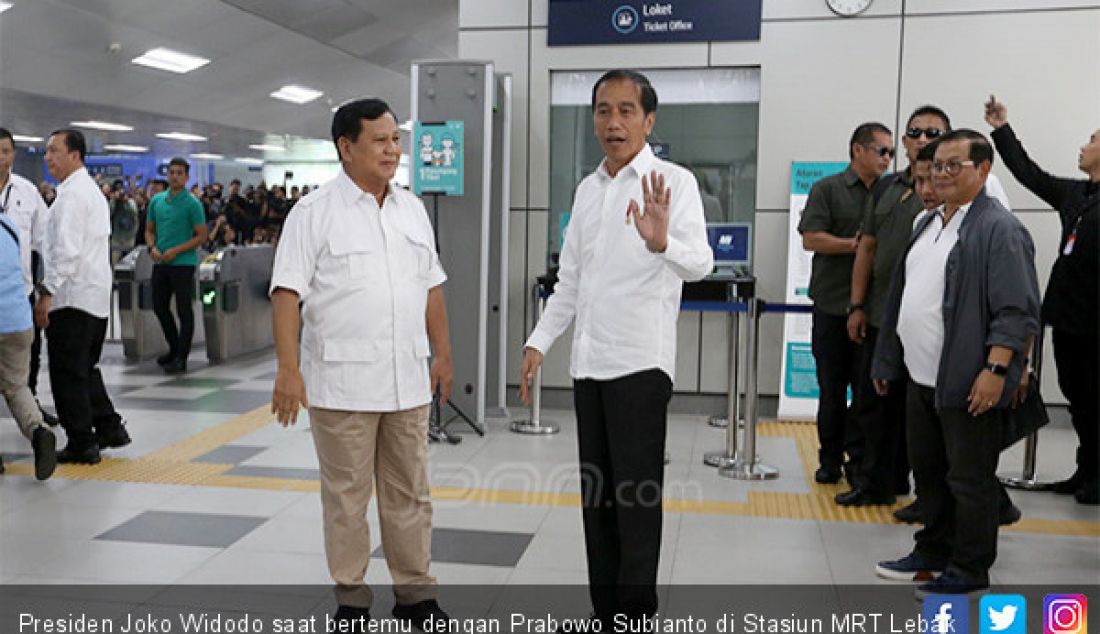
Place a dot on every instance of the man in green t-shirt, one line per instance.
(174, 228)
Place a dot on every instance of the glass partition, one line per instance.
(706, 121)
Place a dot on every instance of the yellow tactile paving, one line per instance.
(172, 465)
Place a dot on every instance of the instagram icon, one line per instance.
(1065, 614)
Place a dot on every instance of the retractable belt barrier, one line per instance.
(1027, 480)
(534, 425)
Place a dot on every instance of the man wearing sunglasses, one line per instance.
(1071, 306)
(886, 231)
(830, 228)
(962, 312)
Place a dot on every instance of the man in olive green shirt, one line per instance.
(175, 227)
(830, 228)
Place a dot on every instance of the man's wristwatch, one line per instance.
(854, 307)
(997, 369)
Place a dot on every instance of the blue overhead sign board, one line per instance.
(573, 22)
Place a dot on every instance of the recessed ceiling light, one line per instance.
(296, 94)
(102, 125)
(22, 138)
(169, 60)
(267, 147)
(180, 136)
(122, 147)
(250, 161)
(207, 156)
(4, 6)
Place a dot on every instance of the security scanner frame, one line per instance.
(236, 309)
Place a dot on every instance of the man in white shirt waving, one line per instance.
(622, 285)
(74, 302)
(359, 256)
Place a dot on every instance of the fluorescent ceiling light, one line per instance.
(207, 156)
(267, 147)
(21, 138)
(122, 147)
(296, 94)
(102, 125)
(169, 60)
(4, 6)
(180, 136)
(250, 161)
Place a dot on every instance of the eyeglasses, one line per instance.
(952, 168)
(931, 133)
(881, 150)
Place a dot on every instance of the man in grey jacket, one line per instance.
(960, 318)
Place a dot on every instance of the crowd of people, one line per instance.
(252, 214)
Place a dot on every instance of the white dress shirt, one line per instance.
(920, 320)
(22, 203)
(625, 299)
(363, 274)
(78, 247)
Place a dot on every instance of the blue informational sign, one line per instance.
(730, 242)
(573, 22)
(437, 158)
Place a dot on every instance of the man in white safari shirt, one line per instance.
(358, 256)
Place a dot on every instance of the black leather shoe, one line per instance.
(166, 358)
(1089, 493)
(45, 452)
(862, 497)
(114, 438)
(176, 366)
(1069, 486)
(349, 618)
(825, 475)
(426, 616)
(1009, 514)
(909, 514)
(83, 455)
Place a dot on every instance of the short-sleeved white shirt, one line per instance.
(363, 274)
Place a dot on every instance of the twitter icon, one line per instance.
(1003, 614)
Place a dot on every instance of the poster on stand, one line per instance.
(798, 389)
(436, 162)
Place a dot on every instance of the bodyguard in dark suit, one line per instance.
(962, 313)
(1071, 306)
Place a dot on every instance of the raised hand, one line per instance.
(652, 226)
(996, 114)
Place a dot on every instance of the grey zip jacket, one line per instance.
(990, 298)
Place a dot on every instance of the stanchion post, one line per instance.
(1027, 481)
(726, 457)
(745, 467)
(534, 426)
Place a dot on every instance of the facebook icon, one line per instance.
(947, 614)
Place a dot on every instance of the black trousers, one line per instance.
(884, 469)
(36, 353)
(175, 281)
(954, 457)
(76, 341)
(621, 427)
(1076, 358)
(837, 359)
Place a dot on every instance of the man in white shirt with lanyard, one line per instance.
(621, 284)
(358, 256)
(24, 206)
(74, 303)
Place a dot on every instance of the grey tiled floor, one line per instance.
(72, 531)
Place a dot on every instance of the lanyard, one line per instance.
(7, 195)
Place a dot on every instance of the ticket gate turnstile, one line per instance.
(142, 337)
(236, 309)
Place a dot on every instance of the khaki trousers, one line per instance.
(15, 363)
(352, 448)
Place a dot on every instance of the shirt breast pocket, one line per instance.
(356, 260)
(419, 253)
